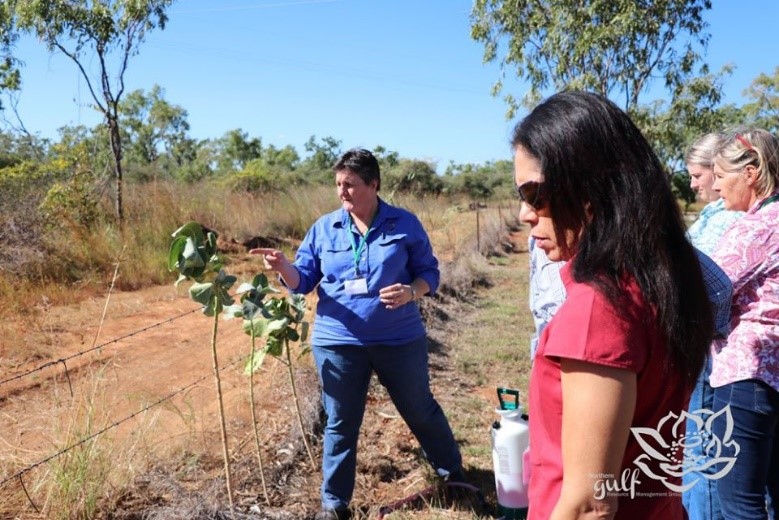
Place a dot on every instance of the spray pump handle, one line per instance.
(504, 398)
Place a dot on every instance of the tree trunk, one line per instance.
(116, 148)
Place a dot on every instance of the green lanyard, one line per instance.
(769, 200)
(357, 249)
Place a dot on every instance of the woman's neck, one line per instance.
(364, 219)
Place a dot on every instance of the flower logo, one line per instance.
(677, 458)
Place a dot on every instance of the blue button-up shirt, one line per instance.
(397, 250)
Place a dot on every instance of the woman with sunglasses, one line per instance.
(626, 346)
(745, 369)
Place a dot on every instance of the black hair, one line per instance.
(605, 182)
(363, 163)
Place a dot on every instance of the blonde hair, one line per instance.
(751, 146)
(702, 151)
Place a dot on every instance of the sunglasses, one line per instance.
(534, 194)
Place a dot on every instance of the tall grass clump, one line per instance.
(92, 468)
(286, 213)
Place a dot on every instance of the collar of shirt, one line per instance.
(760, 204)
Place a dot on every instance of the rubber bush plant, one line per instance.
(195, 256)
(250, 307)
(281, 322)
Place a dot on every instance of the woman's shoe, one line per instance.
(332, 514)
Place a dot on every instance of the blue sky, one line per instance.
(403, 74)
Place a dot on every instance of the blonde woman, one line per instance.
(700, 489)
(745, 371)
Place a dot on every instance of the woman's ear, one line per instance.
(750, 174)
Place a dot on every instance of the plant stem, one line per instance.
(254, 418)
(297, 405)
(225, 451)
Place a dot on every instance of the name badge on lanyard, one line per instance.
(356, 286)
(359, 284)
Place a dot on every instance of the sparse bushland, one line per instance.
(58, 228)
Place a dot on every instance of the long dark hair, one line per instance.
(605, 180)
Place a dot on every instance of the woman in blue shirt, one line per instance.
(369, 262)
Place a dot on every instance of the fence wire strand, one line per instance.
(92, 349)
(27, 469)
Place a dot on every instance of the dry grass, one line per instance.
(85, 473)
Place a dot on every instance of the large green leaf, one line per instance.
(250, 309)
(299, 304)
(274, 346)
(191, 229)
(275, 308)
(191, 259)
(194, 253)
(277, 325)
(260, 281)
(254, 362)
(233, 311)
(210, 244)
(224, 280)
(203, 293)
(256, 327)
(223, 299)
(176, 250)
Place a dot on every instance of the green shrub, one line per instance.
(415, 177)
(73, 200)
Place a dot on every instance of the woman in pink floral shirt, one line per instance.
(745, 371)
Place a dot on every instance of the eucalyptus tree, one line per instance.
(285, 158)
(413, 176)
(153, 128)
(387, 159)
(763, 107)
(235, 149)
(9, 70)
(100, 37)
(614, 47)
(15, 148)
(323, 155)
(672, 125)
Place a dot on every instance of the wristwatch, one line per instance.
(413, 293)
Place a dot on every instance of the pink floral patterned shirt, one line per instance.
(748, 252)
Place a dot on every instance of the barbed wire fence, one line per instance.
(19, 474)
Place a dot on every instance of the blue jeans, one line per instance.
(345, 373)
(701, 500)
(754, 407)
